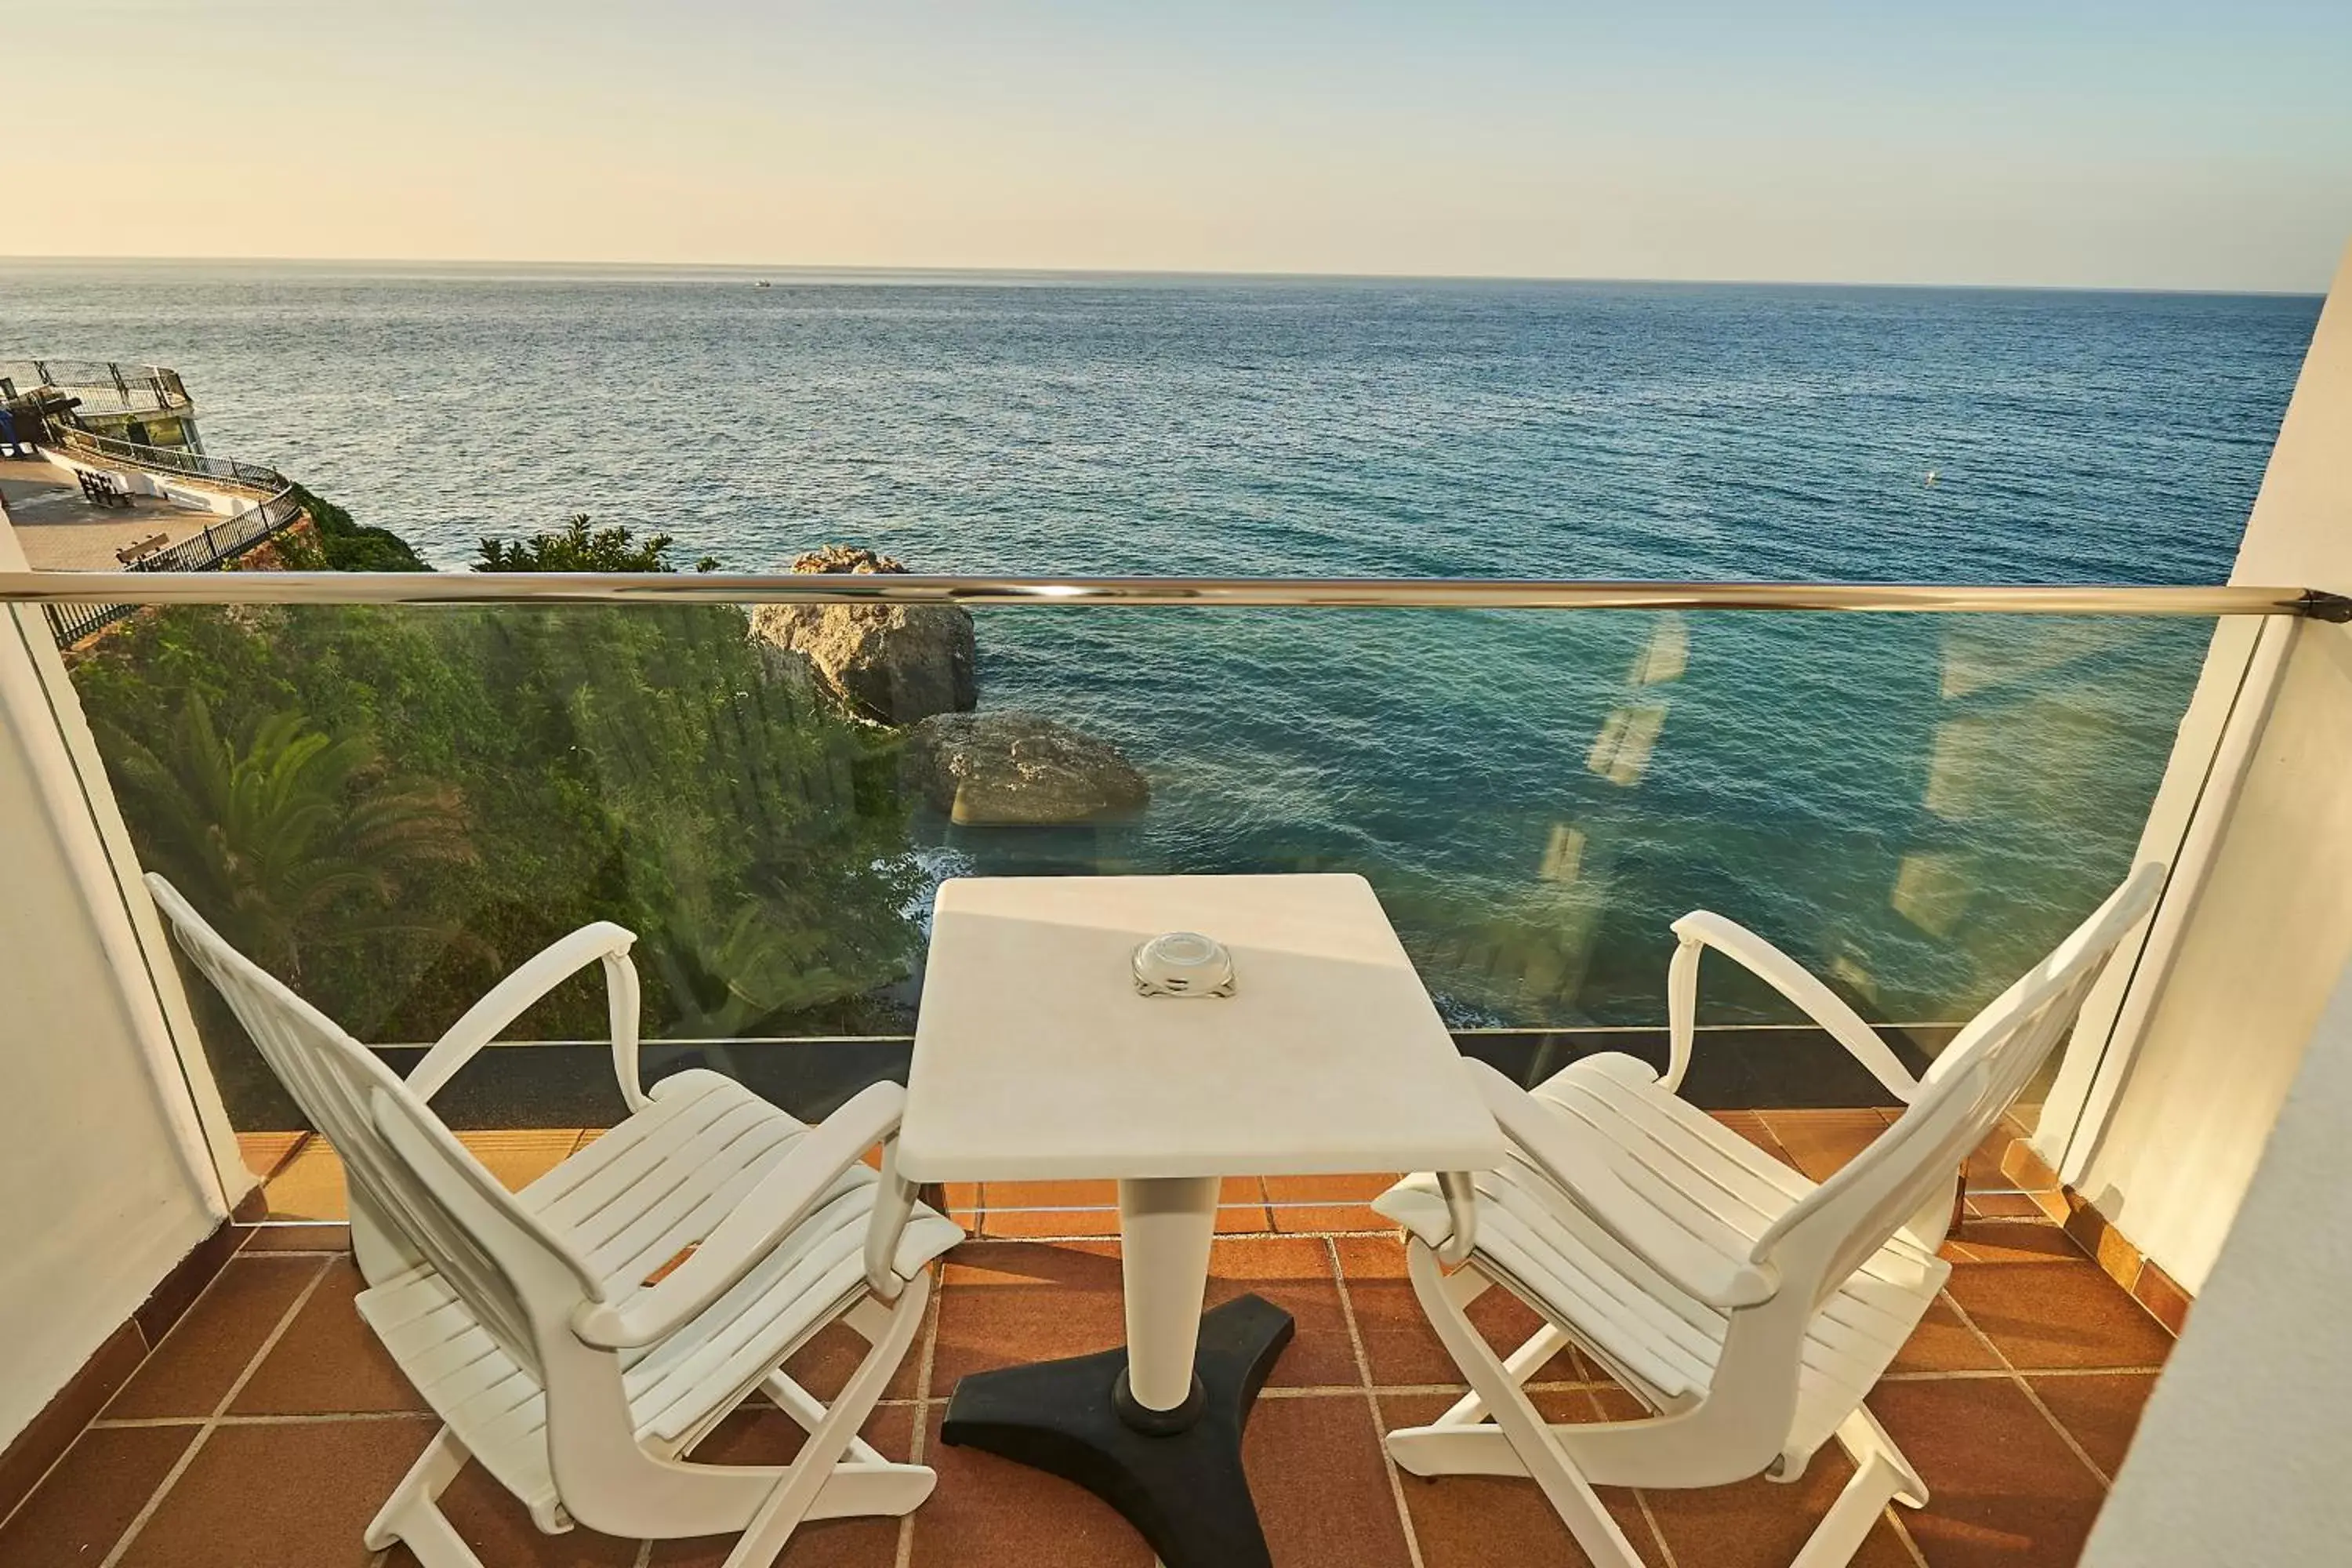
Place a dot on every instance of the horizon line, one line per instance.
(1235, 274)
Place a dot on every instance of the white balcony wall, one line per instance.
(2214, 1025)
(106, 1171)
(2240, 1453)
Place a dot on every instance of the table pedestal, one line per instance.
(1153, 1429)
(1183, 1488)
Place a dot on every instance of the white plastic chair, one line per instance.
(1750, 1309)
(526, 1319)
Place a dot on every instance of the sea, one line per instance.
(1915, 805)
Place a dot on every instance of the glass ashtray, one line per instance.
(1183, 964)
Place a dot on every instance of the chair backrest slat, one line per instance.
(340, 1084)
(1908, 1169)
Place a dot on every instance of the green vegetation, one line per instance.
(390, 808)
(578, 548)
(344, 545)
(284, 832)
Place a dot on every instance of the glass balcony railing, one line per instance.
(390, 806)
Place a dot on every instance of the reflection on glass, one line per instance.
(1620, 752)
(1667, 653)
(1563, 858)
(1931, 892)
(390, 808)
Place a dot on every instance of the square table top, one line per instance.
(1036, 1059)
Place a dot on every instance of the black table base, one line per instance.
(1181, 1484)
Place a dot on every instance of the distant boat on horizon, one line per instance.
(764, 283)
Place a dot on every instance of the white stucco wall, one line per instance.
(139, 482)
(2241, 1452)
(106, 1164)
(2195, 1080)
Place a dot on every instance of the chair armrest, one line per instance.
(1631, 1204)
(511, 997)
(1702, 929)
(769, 1213)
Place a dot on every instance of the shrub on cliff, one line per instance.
(576, 547)
(344, 545)
(630, 763)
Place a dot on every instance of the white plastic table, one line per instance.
(1035, 1059)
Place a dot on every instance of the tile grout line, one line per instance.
(1980, 1373)
(49, 1472)
(180, 1468)
(1372, 1403)
(301, 1142)
(1779, 1150)
(903, 1556)
(2032, 1398)
(1060, 1238)
(1279, 1392)
(146, 1354)
(1407, 1391)
(1641, 1498)
(1366, 1389)
(1902, 1535)
(302, 1418)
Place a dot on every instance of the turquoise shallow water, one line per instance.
(1913, 805)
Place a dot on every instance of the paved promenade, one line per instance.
(61, 532)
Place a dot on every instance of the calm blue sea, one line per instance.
(1913, 805)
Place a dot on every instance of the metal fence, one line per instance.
(142, 387)
(219, 544)
(250, 476)
(103, 386)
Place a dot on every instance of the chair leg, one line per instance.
(1463, 1441)
(807, 1410)
(411, 1514)
(1443, 1449)
(1864, 1440)
(1881, 1475)
(1841, 1532)
(1522, 1364)
(818, 1484)
(1517, 1421)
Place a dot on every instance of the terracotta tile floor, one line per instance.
(267, 1426)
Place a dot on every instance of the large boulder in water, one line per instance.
(895, 664)
(1019, 769)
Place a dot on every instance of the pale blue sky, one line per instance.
(2107, 143)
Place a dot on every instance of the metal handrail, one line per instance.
(72, 620)
(169, 460)
(106, 379)
(63, 373)
(848, 588)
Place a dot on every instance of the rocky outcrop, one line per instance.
(789, 669)
(1019, 769)
(895, 664)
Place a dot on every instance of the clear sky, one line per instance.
(2141, 144)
